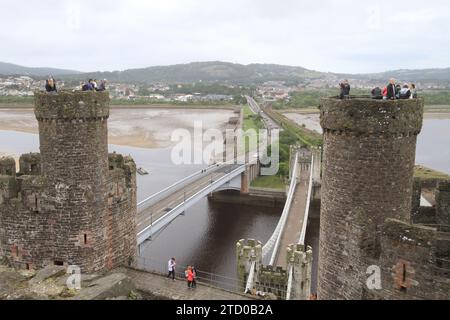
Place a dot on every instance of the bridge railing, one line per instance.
(157, 225)
(144, 204)
(273, 243)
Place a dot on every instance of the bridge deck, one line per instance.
(294, 223)
(149, 215)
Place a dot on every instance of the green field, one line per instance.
(269, 182)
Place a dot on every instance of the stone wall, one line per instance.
(70, 204)
(412, 263)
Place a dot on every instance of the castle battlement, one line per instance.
(364, 116)
(71, 105)
(72, 203)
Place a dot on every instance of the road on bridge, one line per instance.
(294, 223)
(152, 213)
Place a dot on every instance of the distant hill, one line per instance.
(413, 74)
(215, 71)
(225, 72)
(14, 69)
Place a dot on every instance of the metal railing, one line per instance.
(186, 203)
(144, 204)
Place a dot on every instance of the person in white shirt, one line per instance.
(171, 267)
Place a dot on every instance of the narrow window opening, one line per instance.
(59, 263)
(85, 238)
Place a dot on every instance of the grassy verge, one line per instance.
(427, 173)
(270, 182)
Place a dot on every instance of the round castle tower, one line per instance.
(368, 163)
(74, 157)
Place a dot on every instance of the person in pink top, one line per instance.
(189, 276)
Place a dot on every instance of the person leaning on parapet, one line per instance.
(88, 86)
(404, 93)
(50, 85)
(377, 93)
(413, 91)
(391, 90)
(345, 89)
(102, 85)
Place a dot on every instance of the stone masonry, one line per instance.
(368, 198)
(72, 204)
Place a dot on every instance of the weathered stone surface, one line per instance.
(48, 272)
(113, 285)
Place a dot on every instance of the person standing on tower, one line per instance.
(345, 89)
(50, 85)
(391, 90)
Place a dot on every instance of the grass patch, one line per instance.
(270, 182)
(427, 173)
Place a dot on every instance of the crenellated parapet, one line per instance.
(247, 252)
(30, 164)
(71, 106)
(299, 258)
(365, 116)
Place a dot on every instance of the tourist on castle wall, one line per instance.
(102, 85)
(345, 89)
(94, 84)
(391, 90)
(88, 86)
(377, 93)
(397, 91)
(50, 85)
(413, 91)
(385, 93)
(171, 268)
(405, 93)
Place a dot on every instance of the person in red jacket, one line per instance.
(189, 276)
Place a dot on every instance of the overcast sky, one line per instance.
(325, 35)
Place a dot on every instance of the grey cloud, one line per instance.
(343, 36)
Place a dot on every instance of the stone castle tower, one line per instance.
(367, 190)
(72, 204)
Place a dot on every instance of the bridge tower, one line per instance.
(369, 154)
